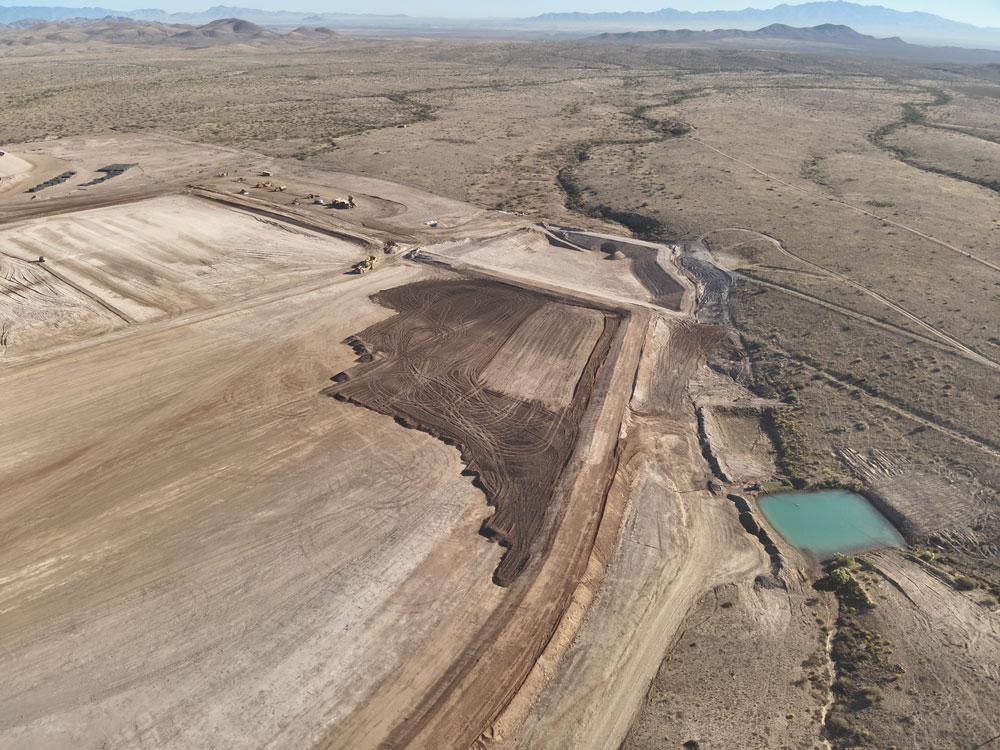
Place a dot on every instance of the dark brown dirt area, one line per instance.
(422, 367)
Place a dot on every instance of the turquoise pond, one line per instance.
(824, 523)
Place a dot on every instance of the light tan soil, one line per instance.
(542, 358)
(201, 427)
(744, 450)
(165, 257)
(711, 689)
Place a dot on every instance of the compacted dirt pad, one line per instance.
(424, 368)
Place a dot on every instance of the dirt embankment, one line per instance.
(424, 366)
(644, 259)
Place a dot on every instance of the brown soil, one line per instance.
(425, 371)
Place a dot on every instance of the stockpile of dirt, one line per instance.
(425, 371)
(11, 165)
(664, 288)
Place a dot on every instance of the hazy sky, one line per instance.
(979, 12)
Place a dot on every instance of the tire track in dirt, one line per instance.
(424, 368)
(982, 444)
(99, 301)
(846, 311)
(937, 332)
(858, 209)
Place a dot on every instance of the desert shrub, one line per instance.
(838, 726)
(964, 583)
(692, 745)
(842, 561)
(843, 686)
(868, 696)
(839, 577)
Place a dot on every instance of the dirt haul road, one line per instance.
(201, 549)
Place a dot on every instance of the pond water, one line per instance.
(824, 523)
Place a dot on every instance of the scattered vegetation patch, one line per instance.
(965, 583)
(858, 652)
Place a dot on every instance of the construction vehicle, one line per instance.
(279, 188)
(348, 204)
(366, 265)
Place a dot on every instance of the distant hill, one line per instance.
(225, 31)
(311, 33)
(827, 33)
(825, 38)
(11, 14)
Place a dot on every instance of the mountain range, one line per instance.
(825, 38)
(221, 32)
(824, 34)
(914, 27)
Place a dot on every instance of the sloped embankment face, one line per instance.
(424, 367)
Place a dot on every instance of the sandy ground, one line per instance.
(12, 166)
(159, 258)
(660, 545)
(175, 566)
(542, 357)
(950, 646)
(193, 527)
(529, 255)
(710, 688)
